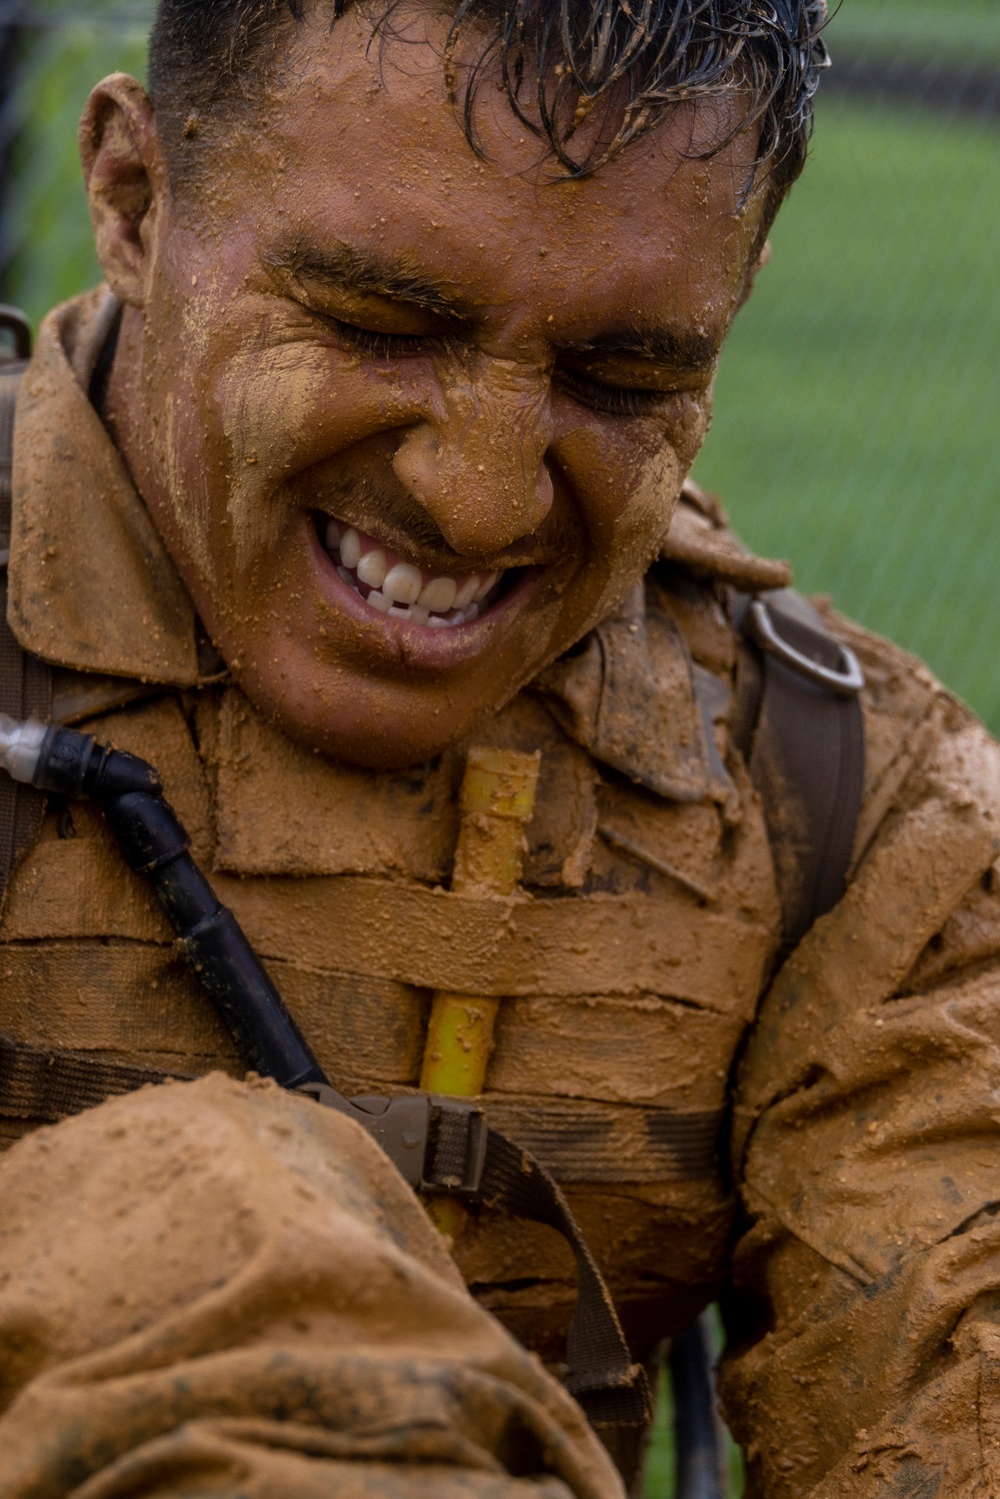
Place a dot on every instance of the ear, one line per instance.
(126, 182)
(759, 263)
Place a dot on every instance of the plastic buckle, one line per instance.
(402, 1126)
(477, 1138)
(847, 682)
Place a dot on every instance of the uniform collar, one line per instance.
(91, 585)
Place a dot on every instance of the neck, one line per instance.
(115, 393)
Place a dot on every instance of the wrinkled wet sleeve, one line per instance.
(219, 1289)
(868, 1145)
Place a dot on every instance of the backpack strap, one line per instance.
(25, 682)
(799, 722)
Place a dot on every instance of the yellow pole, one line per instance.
(497, 801)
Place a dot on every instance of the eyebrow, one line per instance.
(341, 267)
(678, 348)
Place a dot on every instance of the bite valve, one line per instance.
(21, 747)
(70, 763)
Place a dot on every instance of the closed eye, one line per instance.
(384, 345)
(610, 400)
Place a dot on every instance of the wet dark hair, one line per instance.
(557, 60)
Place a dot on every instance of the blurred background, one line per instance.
(859, 398)
(858, 402)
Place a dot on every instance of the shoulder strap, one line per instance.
(798, 721)
(800, 724)
(25, 682)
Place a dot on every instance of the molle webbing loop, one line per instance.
(800, 725)
(25, 682)
(14, 322)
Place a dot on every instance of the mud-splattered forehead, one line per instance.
(559, 62)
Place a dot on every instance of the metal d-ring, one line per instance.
(847, 682)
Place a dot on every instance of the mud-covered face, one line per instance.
(411, 420)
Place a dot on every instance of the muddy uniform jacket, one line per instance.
(215, 1288)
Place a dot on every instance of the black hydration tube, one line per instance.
(155, 844)
(697, 1433)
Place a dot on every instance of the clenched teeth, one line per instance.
(400, 589)
(439, 595)
(404, 583)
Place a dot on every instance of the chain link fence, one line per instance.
(858, 398)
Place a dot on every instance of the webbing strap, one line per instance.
(804, 737)
(601, 1375)
(798, 721)
(25, 682)
(46, 1086)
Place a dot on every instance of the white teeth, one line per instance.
(371, 568)
(402, 583)
(400, 590)
(350, 548)
(439, 595)
(466, 593)
(488, 582)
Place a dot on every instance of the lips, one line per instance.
(399, 589)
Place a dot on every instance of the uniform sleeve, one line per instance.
(866, 1292)
(218, 1289)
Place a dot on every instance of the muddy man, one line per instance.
(364, 475)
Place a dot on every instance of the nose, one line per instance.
(477, 464)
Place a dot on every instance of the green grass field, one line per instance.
(56, 256)
(856, 410)
(959, 32)
(660, 1460)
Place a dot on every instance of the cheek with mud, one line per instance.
(266, 415)
(639, 530)
(634, 491)
(259, 414)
